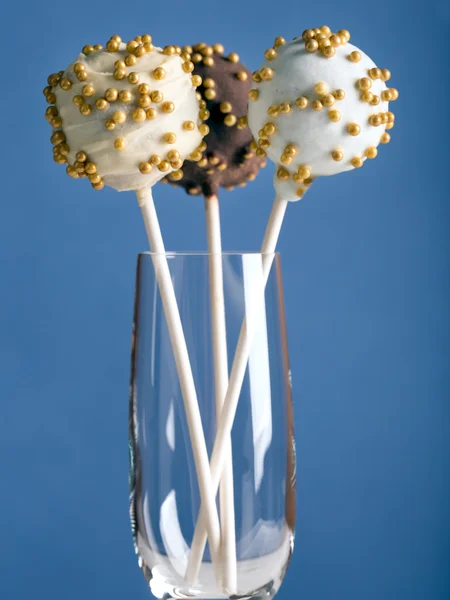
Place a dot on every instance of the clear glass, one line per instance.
(165, 500)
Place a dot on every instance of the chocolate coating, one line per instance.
(227, 160)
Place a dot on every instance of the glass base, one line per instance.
(164, 585)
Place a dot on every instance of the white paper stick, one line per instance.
(237, 375)
(220, 358)
(193, 417)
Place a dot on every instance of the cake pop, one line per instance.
(227, 161)
(125, 115)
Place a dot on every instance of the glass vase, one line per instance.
(164, 491)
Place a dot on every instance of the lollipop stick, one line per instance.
(220, 357)
(237, 375)
(184, 370)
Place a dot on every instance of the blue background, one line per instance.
(366, 271)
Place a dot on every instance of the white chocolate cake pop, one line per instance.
(319, 106)
(125, 115)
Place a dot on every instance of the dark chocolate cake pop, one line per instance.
(225, 158)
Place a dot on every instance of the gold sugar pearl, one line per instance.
(65, 83)
(375, 100)
(88, 90)
(283, 174)
(144, 101)
(390, 117)
(304, 172)
(173, 155)
(233, 57)
(242, 122)
(375, 73)
(253, 94)
(98, 47)
(210, 94)
(290, 150)
(79, 67)
(366, 96)
(204, 114)
(312, 45)
(63, 149)
(168, 107)
(242, 75)
(285, 108)
(110, 124)
(145, 168)
(189, 125)
(119, 74)
(385, 138)
(353, 129)
(335, 40)
(208, 61)
(218, 48)
(266, 74)
(328, 52)
(78, 100)
(264, 144)
(323, 42)
(321, 88)
(270, 54)
(285, 159)
(155, 160)
(120, 144)
(325, 29)
(357, 162)
(389, 125)
(279, 41)
(337, 155)
(51, 98)
(253, 146)
(164, 166)
(225, 107)
(273, 110)
(195, 156)
(204, 129)
(169, 50)
(176, 164)
(58, 137)
(151, 113)
(56, 122)
(176, 175)
(371, 152)
(112, 46)
(144, 89)
(214, 160)
(146, 38)
(261, 133)
(170, 138)
(334, 115)
(209, 82)
(364, 83)
(375, 120)
(71, 172)
(300, 192)
(111, 94)
(133, 78)
(344, 34)
(393, 94)
(88, 49)
(301, 102)
(81, 76)
(339, 94)
(81, 157)
(47, 90)
(101, 103)
(119, 64)
(385, 75)
(159, 73)
(196, 58)
(125, 96)
(308, 34)
(328, 100)
(85, 109)
(256, 77)
(119, 117)
(354, 56)
(99, 185)
(188, 66)
(207, 51)
(140, 51)
(116, 38)
(52, 111)
(139, 115)
(317, 105)
(196, 80)
(90, 168)
(229, 120)
(130, 60)
(269, 129)
(53, 79)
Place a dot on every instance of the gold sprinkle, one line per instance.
(337, 155)
(335, 40)
(233, 57)
(140, 50)
(264, 143)
(204, 129)
(312, 45)
(253, 94)
(344, 34)
(242, 122)
(156, 97)
(279, 41)
(210, 94)
(188, 66)
(204, 114)
(119, 117)
(208, 61)
(230, 120)
(168, 107)
(119, 64)
(119, 74)
(101, 103)
(125, 96)
(196, 80)
(308, 34)
(385, 75)
(321, 88)
(146, 38)
(90, 168)
(164, 166)
(112, 46)
(353, 129)
(266, 74)
(371, 152)
(82, 76)
(151, 113)
(357, 162)
(283, 174)
(285, 159)
(120, 144)
(374, 73)
(170, 138)
(196, 58)
(269, 129)
(308, 181)
(110, 124)
(139, 115)
(270, 54)
(364, 83)
(58, 137)
(209, 82)
(354, 56)
(144, 101)
(144, 89)
(328, 100)
(366, 96)
(94, 178)
(111, 94)
(79, 67)
(317, 105)
(242, 75)
(304, 172)
(159, 73)
(133, 78)
(88, 90)
(285, 108)
(301, 102)
(145, 168)
(225, 107)
(385, 138)
(65, 83)
(328, 52)
(339, 94)
(85, 109)
(155, 160)
(218, 48)
(130, 60)
(77, 100)
(273, 110)
(256, 77)
(88, 49)
(189, 125)
(375, 120)
(176, 175)
(260, 153)
(334, 115)
(375, 100)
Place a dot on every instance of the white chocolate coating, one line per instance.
(120, 169)
(296, 72)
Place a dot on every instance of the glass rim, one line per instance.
(204, 253)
